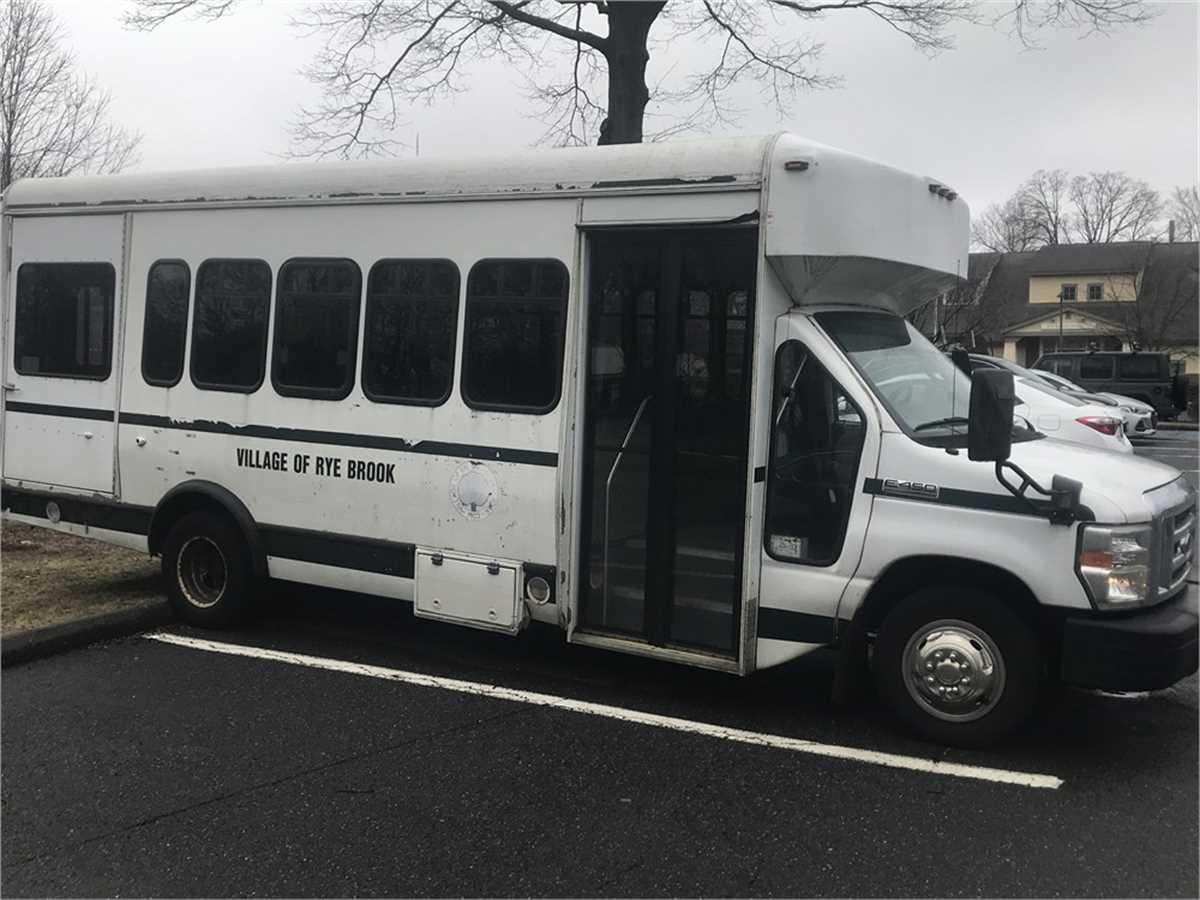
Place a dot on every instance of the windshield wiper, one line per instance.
(938, 423)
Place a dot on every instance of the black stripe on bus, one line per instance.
(788, 625)
(985, 500)
(91, 511)
(339, 550)
(68, 412)
(304, 435)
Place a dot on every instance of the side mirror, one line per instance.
(990, 418)
(961, 360)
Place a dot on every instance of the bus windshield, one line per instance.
(924, 391)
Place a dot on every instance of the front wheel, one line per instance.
(206, 567)
(958, 666)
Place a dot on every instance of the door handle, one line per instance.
(87, 435)
(10, 388)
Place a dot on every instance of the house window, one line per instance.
(1068, 292)
(1095, 292)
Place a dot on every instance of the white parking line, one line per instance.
(779, 742)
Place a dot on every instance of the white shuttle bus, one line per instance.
(661, 396)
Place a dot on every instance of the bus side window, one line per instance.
(164, 334)
(411, 327)
(316, 328)
(512, 346)
(63, 322)
(816, 441)
(229, 329)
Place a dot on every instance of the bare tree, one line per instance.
(1112, 206)
(1162, 314)
(53, 120)
(1184, 209)
(1005, 227)
(1044, 199)
(586, 59)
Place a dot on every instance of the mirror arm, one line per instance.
(1063, 495)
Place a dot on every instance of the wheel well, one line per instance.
(907, 575)
(192, 496)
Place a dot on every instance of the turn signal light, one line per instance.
(1099, 559)
(1102, 424)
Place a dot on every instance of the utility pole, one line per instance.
(1060, 318)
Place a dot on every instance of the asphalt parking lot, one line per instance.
(339, 747)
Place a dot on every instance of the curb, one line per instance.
(1178, 426)
(37, 643)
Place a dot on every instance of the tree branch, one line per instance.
(517, 11)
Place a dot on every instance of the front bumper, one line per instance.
(1141, 651)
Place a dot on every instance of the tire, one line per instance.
(977, 635)
(207, 569)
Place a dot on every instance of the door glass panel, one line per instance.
(667, 430)
(620, 414)
(710, 434)
(816, 442)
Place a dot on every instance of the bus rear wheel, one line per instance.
(206, 569)
(958, 666)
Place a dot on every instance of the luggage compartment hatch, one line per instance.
(468, 591)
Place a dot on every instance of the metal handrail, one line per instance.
(608, 489)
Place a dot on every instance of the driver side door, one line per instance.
(824, 441)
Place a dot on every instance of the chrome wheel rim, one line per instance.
(954, 670)
(201, 572)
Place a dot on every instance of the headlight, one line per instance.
(1114, 563)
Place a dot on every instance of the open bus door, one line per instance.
(666, 430)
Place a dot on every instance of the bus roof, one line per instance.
(714, 163)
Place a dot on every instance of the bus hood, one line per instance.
(1117, 488)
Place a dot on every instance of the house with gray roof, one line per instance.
(1123, 296)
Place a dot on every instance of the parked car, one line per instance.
(1138, 418)
(1141, 419)
(1059, 415)
(1143, 376)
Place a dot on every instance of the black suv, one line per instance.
(1143, 376)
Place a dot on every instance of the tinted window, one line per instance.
(1142, 368)
(165, 331)
(229, 330)
(1095, 367)
(412, 322)
(815, 447)
(514, 332)
(316, 328)
(63, 322)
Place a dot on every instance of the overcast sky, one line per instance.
(981, 117)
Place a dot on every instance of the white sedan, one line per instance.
(1058, 415)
